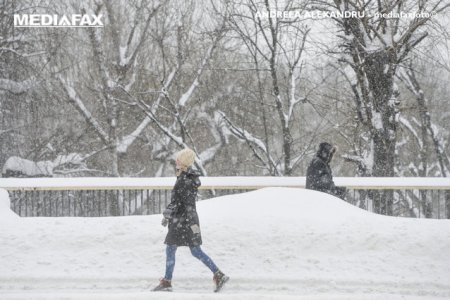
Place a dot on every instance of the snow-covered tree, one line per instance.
(274, 47)
(372, 47)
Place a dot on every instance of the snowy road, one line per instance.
(120, 295)
(276, 243)
(239, 288)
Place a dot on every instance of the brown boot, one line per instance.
(164, 285)
(219, 280)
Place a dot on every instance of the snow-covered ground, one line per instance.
(275, 243)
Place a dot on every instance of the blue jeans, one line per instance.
(196, 251)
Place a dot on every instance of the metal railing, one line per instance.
(88, 203)
(95, 197)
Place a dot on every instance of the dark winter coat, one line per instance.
(319, 176)
(184, 226)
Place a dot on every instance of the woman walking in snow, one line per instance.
(184, 226)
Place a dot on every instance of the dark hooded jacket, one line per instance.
(319, 176)
(184, 226)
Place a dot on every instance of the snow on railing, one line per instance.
(220, 183)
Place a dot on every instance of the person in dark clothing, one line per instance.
(319, 176)
(183, 222)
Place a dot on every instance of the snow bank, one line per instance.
(18, 165)
(28, 167)
(275, 243)
(5, 207)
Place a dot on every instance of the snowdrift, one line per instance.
(275, 243)
(5, 207)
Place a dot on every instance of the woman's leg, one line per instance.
(170, 261)
(199, 254)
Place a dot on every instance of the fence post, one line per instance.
(447, 203)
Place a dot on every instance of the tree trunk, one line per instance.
(380, 75)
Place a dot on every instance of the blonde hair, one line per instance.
(186, 157)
